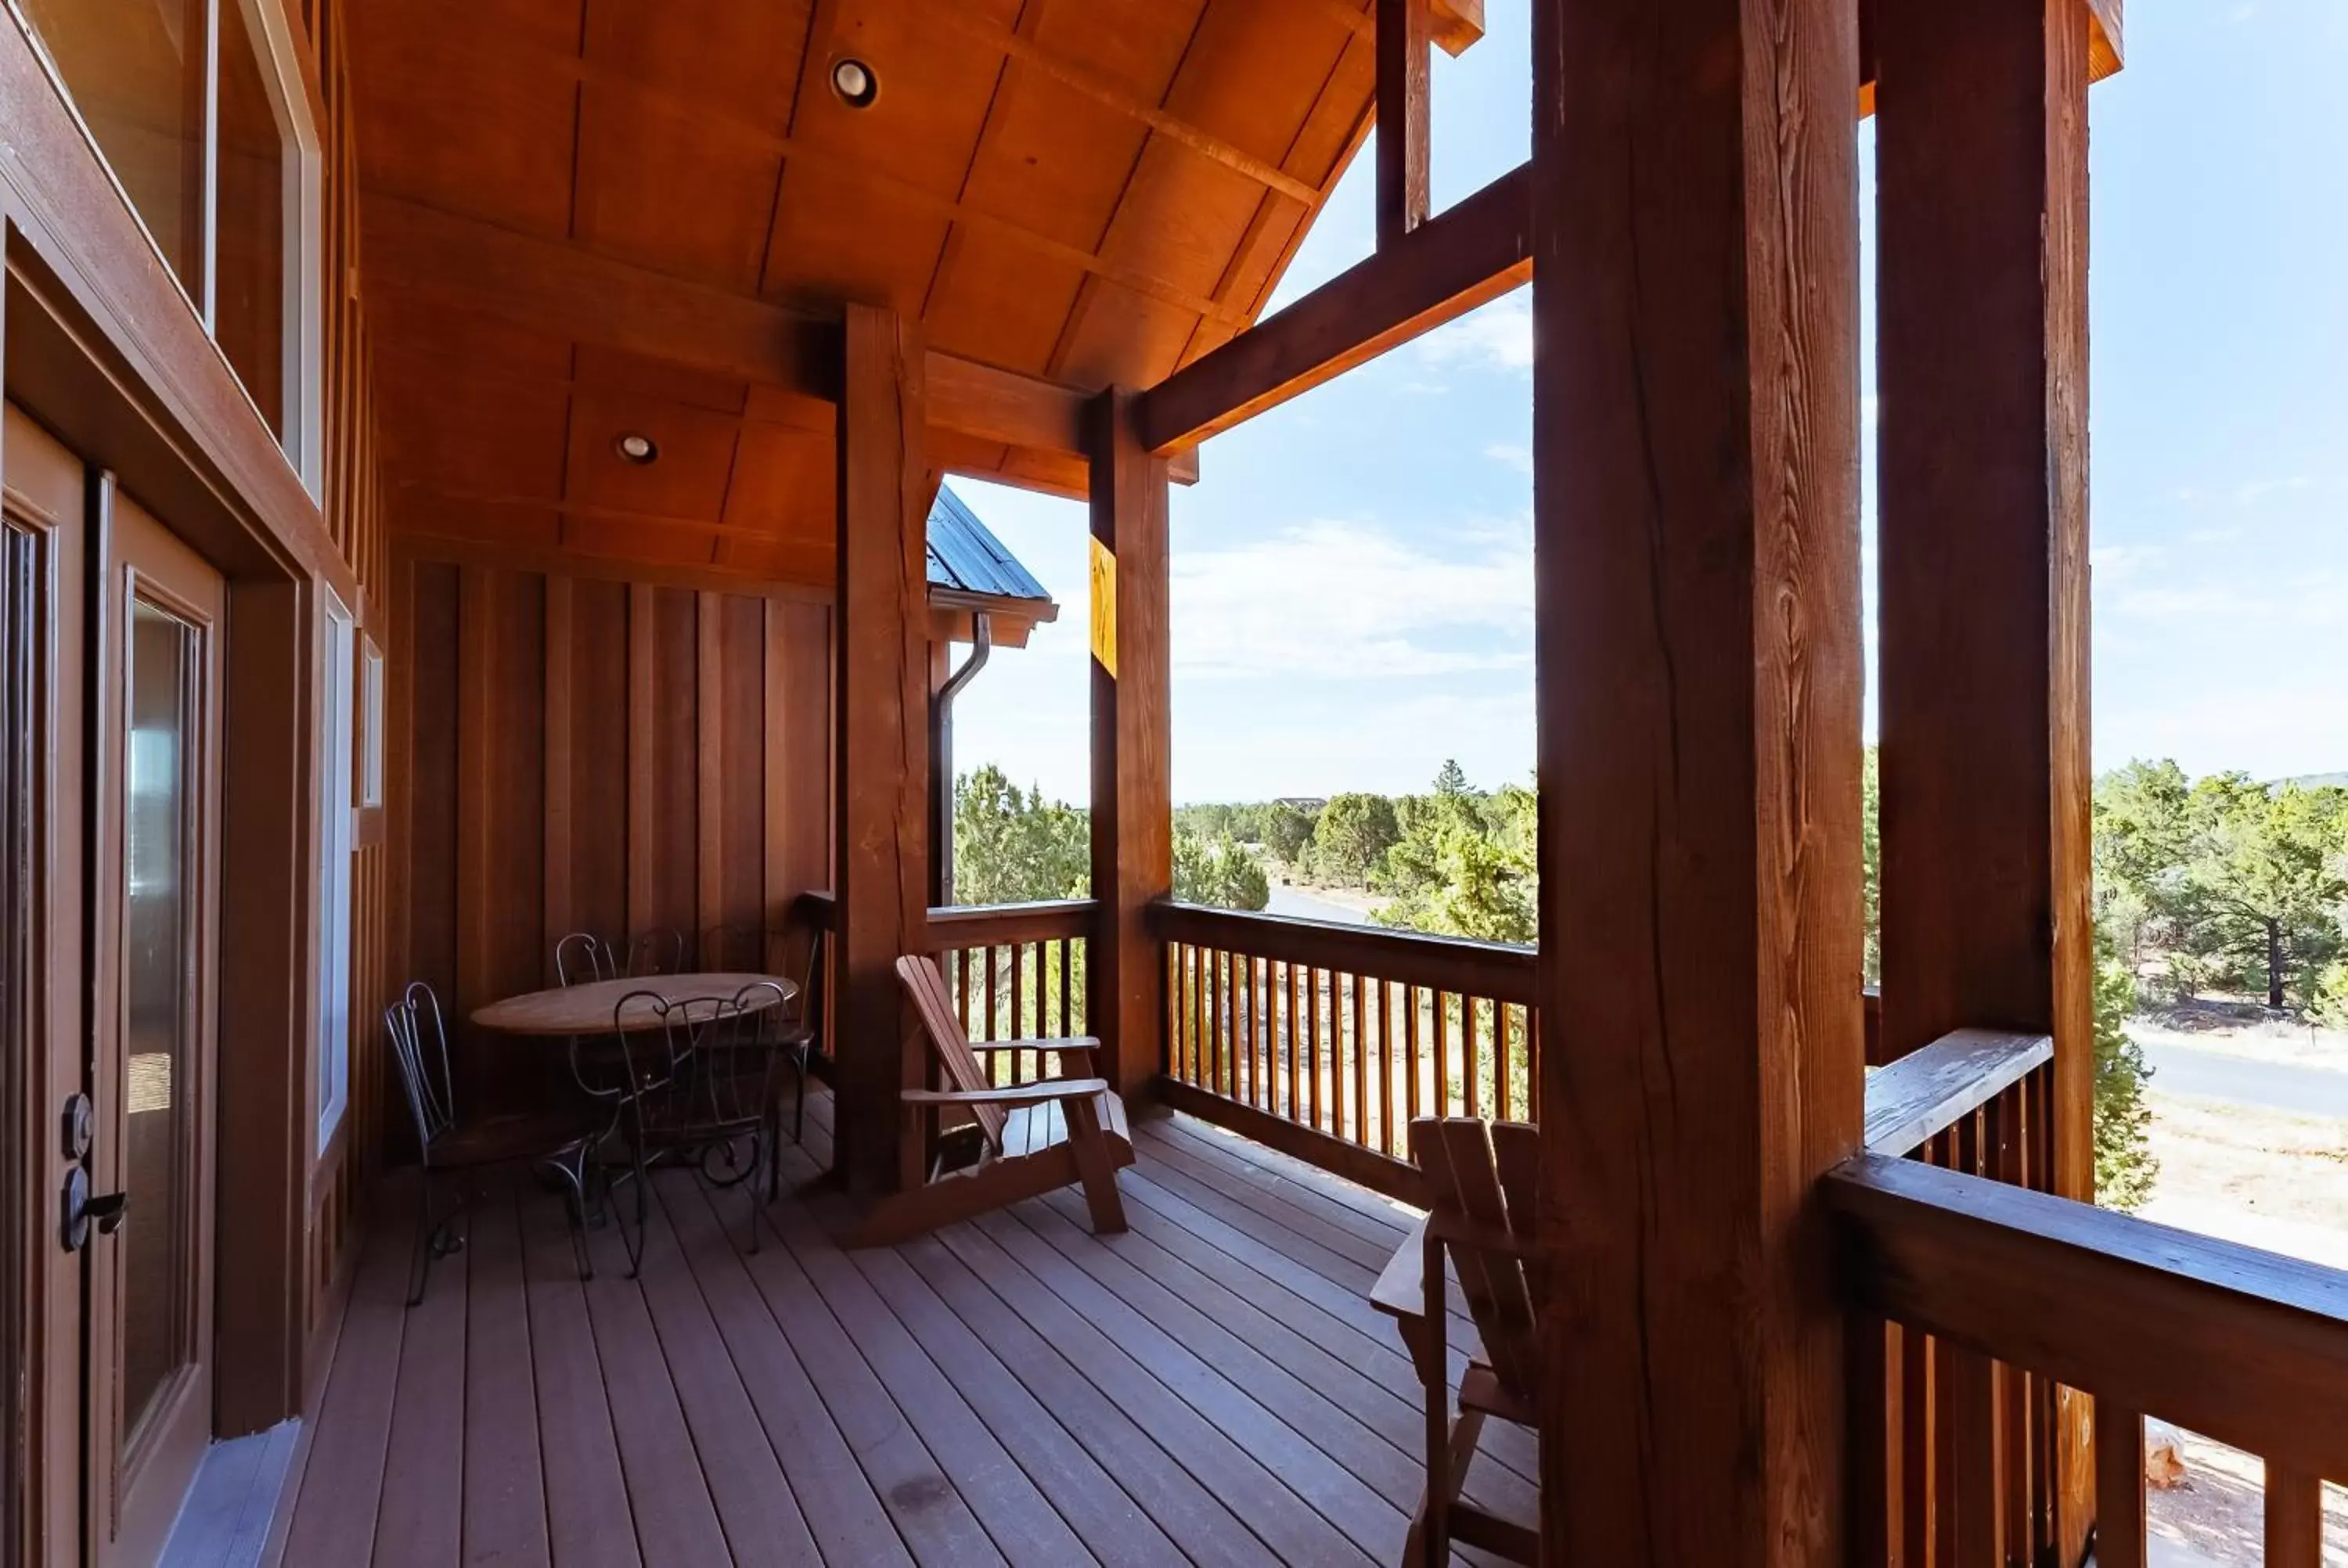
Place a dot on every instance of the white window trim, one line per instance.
(373, 703)
(337, 846)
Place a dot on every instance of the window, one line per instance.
(371, 727)
(336, 847)
(198, 107)
(135, 71)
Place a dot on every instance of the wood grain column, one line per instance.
(1981, 180)
(1698, 659)
(881, 858)
(269, 925)
(1132, 749)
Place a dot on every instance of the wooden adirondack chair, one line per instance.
(1038, 1136)
(1481, 1182)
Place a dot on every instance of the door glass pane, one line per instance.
(158, 1065)
(135, 71)
(249, 295)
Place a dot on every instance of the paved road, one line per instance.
(2246, 1081)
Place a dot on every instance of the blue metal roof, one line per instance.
(964, 556)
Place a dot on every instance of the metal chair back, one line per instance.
(659, 951)
(420, 1043)
(583, 957)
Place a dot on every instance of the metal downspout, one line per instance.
(982, 644)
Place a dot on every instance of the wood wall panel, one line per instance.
(592, 755)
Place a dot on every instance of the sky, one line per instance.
(1352, 586)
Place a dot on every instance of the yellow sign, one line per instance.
(1105, 607)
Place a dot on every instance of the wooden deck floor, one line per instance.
(1211, 1388)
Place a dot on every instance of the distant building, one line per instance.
(1310, 804)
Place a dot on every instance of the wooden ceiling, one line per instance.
(590, 217)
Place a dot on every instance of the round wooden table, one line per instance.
(589, 1008)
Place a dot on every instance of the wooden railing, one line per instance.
(1996, 1296)
(1977, 1102)
(1015, 971)
(1324, 1040)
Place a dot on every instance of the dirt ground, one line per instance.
(2267, 1178)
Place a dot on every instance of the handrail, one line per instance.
(979, 925)
(1501, 971)
(2249, 1346)
(1929, 1090)
(1015, 971)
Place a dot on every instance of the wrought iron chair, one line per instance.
(700, 1088)
(448, 1144)
(659, 951)
(801, 1041)
(583, 957)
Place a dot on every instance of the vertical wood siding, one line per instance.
(584, 754)
(355, 519)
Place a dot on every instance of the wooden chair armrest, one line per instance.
(1467, 1233)
(1075, 1045)
(1400, 1292)
(1045, 1092)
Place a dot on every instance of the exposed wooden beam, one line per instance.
(1457, 23)
(881, 754)
(1698, 661)
(1981, 351)
(1132, 746)
(1402, 119)
(1457, 260)
(575, 294)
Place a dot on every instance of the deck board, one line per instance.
(1212, 1387)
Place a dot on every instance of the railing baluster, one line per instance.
(1386, 1067)
(1361, 1065)
(1500, 1061)
(1469, 1072)
(1442, 1015)
(1313, 1093)
(1018, 1013)
(2294, 1518)
(2119, 1487)
(1410, 1053)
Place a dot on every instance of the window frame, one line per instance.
(303, 326)
(338, 846)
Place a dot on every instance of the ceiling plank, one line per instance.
(619, 81)
(1045, 62)
(1463, 257)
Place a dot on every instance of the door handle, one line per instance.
(79, 1211)
(108, 1212)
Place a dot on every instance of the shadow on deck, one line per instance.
(1212, 1387)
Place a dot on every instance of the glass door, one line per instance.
(153, 1058)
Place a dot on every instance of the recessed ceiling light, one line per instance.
(637, 449)
(853, 80)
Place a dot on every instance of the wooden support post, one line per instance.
(882, 788)
(1697, 650)
(1981, 180)
(1403, 140)
(1132, 746)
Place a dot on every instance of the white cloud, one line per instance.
(1497, 336)
(2257, 489)
(1347, 601)
(1508, 453)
